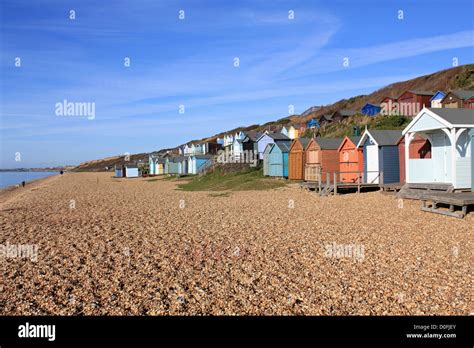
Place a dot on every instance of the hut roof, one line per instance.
(421, 92)
(327, 117)
(284, 147)
(278, 136)
(304, 141)
(329, 143)
(252, 135)
(455, 116)
(355, 138)
(203, 156)
(176, 159)
(384, 137)
(464, 95)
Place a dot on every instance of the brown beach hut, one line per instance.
(321, 156)
(296, 159)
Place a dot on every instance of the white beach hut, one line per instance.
(450, 132)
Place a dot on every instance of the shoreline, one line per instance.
(11, 192)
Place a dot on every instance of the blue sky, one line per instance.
(190, 62)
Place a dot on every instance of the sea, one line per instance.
(13, 178)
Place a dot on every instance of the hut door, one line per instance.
(372, 164)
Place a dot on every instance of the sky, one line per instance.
(161, 73)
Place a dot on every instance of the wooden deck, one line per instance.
(391, 188)
(462, 200)
(335, 189)
(418, 191)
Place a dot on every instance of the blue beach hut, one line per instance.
(197, 163)
(278, 159)
(371, 109)
(269, 138)
(381, 155)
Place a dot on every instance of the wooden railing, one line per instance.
(332, 185)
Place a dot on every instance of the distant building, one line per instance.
(411, 102)
(340, 115)
(312, 124)
(371, 109)
(436, 99)
(458, 99)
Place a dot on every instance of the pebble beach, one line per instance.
(116, 246)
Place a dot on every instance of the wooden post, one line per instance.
(381, 178)
(335, 183)
(319, 184)
(328, 180)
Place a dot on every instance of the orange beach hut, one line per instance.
(351, 160)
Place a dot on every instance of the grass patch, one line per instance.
(250, 179)
(174, 178)
(220, 194)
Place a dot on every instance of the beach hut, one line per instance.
(458, 99)
(387, 104)
(156, 163)
(131, 171)
(197, 163)
(436, 99)
(269, 138)
(340, 115)
(411, 102)
(321, 157)
(249, 143)
(176, 165)
(284, 130)
(278, 159)
(238, 149)
(126, 171)
(292, 133)
(380, 156)
(325, 120)
(450, 134)
(312, 124)
(371, 109)
(351, 160)
(119, 171)
(296, 159)
(266, 163)
(420, 148)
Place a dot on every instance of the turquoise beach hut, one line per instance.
(269, 138)
(278, 160)
(450, 132)
(198, 163)
(266, 165)
(174, 165)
